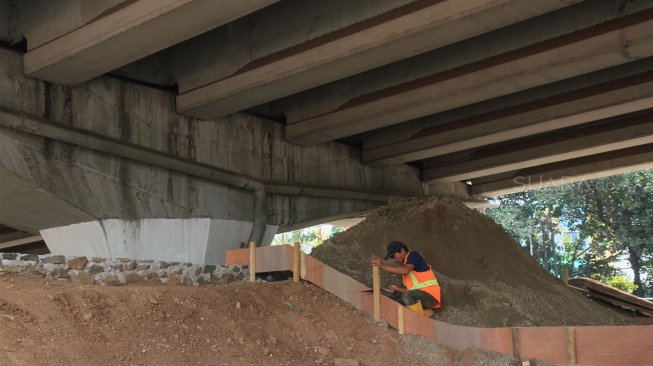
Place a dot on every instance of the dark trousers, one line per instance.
(411, 297)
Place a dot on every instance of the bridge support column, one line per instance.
(200, 240)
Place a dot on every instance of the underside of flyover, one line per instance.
(166, 122)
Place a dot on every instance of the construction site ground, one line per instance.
(59, 322)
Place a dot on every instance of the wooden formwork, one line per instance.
(582, 345)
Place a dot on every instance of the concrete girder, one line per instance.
(566, 172)
(127, 32)
(447, 79)
(577, 142)
(22, 241)
(394, 35)
(560, 110)
(30, 208)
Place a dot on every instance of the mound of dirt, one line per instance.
(487, 279)
(53, 322)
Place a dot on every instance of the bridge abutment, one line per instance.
(197, 240)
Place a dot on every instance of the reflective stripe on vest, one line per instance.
(428, 277)
(418, 285)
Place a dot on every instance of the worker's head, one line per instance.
(397, 251)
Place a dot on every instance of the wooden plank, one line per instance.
(252, 262)
(610, 291)
(621, 304)
(571, 345)
(400, 319)
(376, 286)
(295, 264)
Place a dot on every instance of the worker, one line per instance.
(422, 291)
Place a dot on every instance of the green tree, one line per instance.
(613, 216)
(622, 283)
(617, 214)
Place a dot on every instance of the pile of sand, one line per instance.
(487, 279)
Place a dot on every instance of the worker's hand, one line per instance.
(376, 261)
(396, 288)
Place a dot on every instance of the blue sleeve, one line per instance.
(418, 261)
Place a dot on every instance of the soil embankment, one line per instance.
(487, 279)
(58, 322)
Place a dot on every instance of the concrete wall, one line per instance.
(106, 187)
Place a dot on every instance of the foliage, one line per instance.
(622, 283)
(587, 226)
(309, 237)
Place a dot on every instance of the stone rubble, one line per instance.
(118, 271)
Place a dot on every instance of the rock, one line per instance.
(29, 257)
(345, 362)
(124, 260)
(77, 263)
(149, 275)
(116, 266)
(322, 350)
(9, 256)
(238, 306)
(133, 277)
(14, 267)
(55, 259)
(153, 300)
(95, 269)
(331, 334)
(129, 266)
(112, 280)
(164, 265)
(197, 270)
(208, 268)
(142, 267)
(99, 260)
(145, 261)
(234, 268)
(38, 270)
(86, 279)
(55, 270)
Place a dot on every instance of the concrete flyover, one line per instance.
(132, 124)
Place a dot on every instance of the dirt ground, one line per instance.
(53, 322)
(487, 279)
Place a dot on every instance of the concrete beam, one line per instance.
(589, 140)
(560, 110)
(516, 58)
(566, 172)
(391, 36)
(21, 241)
(30, 208)
(127, 32)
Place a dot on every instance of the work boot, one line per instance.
(417, 307)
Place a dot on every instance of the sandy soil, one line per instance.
(52, 322)
(487, 279)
